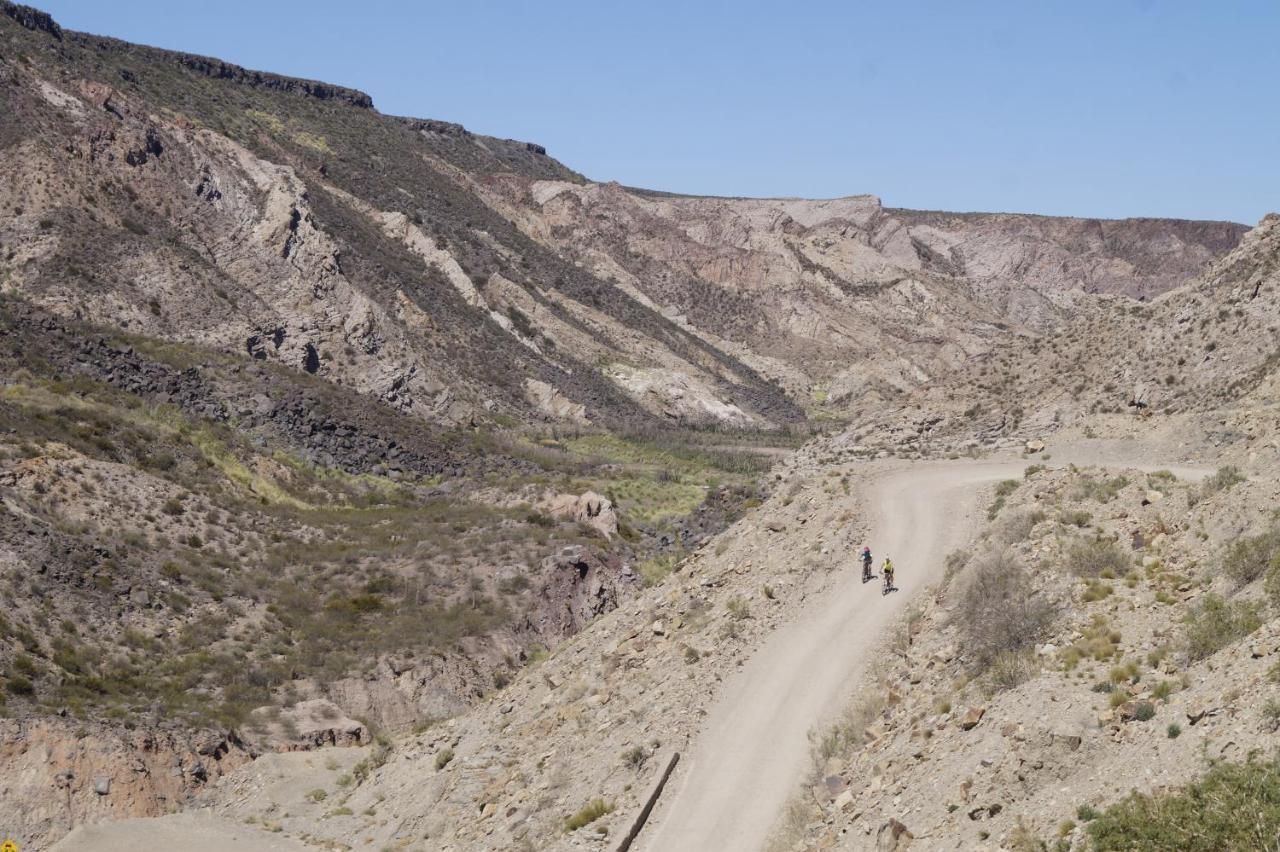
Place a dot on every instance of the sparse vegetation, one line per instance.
(1090, 557)
(1234, 806)
(1215, 622)
(591, 812)
(1249, 557)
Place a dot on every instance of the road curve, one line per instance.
(754, 748)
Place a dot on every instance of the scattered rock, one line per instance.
(1035, 446)
(971, 718)
(893, 836)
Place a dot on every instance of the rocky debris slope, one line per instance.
(817, 292)
(1204, 355)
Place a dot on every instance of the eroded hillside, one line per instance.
(321, 427)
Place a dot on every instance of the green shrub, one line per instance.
(1249, 557)
(1089, 557)
(1271, 715)
(1173, 731)
(1225, 477)
(443, 758)
(1234, 806)
(1216, 622)
(589, 814)
(1144, 712)
(1101, 490)
(1075, 518)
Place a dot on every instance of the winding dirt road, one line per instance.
(754, 748)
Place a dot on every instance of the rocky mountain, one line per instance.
(181, 197)
(321, 427)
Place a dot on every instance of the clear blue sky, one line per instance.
(1094, 107)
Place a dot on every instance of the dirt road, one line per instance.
(754, 749)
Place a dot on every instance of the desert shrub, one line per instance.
(1011, 669)
(1101, 490)
(1271, 715)
(1173, 731)
(1216, 622)
(1234, 806)
(848, 733)
(1089, 557)
(1017, 527)
(1249, 557)
(738, 608)
(999, 610)
(1003, 490)
(635, 757)
(443, 758)
(595, 809)
(1096, 590)
(1075, 518)
(1144, 712)
(1225, 477)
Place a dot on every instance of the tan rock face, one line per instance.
(59, 773)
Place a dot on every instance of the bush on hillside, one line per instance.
(1234, 806)
(1249, 557)
(1215, 622)
(998, 610)
(1089, 557)
(1224, 478)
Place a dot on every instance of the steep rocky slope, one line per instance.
(1105, 634)
(181, 196)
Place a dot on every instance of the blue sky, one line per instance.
(1120, 108)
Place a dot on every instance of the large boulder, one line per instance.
(594, 510)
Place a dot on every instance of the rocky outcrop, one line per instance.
(307, 725)
(59, 773)
(32, 19)
(589, 508)
(579, 584)
(553, 404)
